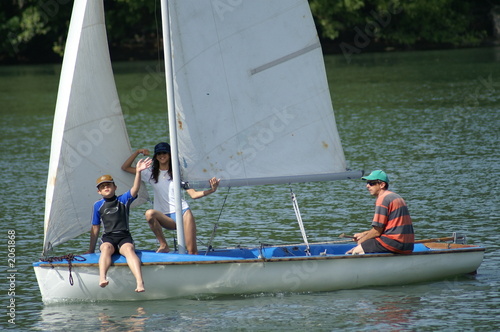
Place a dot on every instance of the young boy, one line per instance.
(113, 212)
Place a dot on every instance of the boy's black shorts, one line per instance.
(117, 239)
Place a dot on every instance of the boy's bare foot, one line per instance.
(140, 288)
(103, 283)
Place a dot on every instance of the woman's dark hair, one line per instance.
(155, 171)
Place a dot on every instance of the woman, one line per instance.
(163, 213)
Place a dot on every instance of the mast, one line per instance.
(172, 125)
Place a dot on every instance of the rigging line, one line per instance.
(299, 220)
(216, 224)
(157, 34)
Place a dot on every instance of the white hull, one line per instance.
(176, 277)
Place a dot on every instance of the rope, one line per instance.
(216, 224)
(299, 220)
(69, 258)
(300, 244)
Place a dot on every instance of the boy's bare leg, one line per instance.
(107, 250)
(134, 263)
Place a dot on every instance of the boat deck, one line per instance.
(264, 253)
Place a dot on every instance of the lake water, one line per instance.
(430, 119)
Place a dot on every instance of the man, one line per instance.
(392, 229)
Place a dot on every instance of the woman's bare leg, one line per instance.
(190, 232)
(156, 221)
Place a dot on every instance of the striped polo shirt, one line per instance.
(391, 214)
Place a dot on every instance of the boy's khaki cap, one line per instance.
(103, 179)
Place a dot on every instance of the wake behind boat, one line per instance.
(249, 103)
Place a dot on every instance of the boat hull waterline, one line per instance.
(235, 271)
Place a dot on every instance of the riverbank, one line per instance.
(152, 49)
(130, 52)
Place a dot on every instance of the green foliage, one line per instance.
(37, 29)
(334, 16)
(129, 20)
(30, 28)
(402, 22)
(435, 21)
(31, 25)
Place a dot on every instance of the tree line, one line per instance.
(34, 31)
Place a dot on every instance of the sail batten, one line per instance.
(285, 58)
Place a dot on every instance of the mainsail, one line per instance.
(251, 94)
(89, 136)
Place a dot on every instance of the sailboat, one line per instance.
(248, 102)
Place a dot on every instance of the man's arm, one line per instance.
(372, 233)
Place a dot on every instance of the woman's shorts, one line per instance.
(172, 215)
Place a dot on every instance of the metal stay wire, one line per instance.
(299, 220)
(216, 224)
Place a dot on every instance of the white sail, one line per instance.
(252, 100)
(89, 136)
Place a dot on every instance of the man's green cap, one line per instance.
(377, 175)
